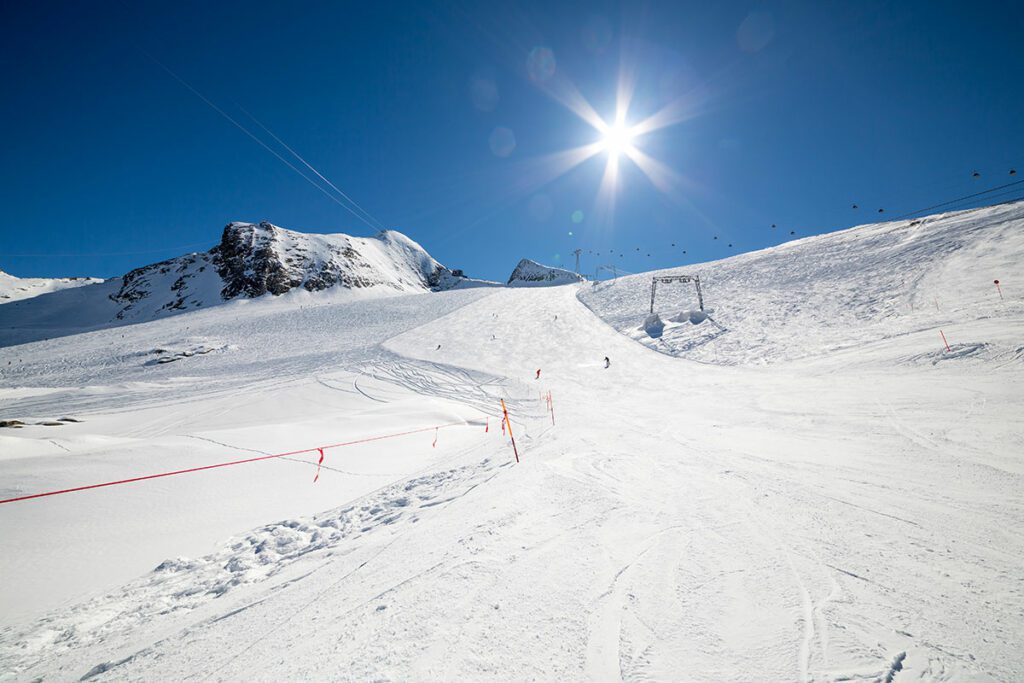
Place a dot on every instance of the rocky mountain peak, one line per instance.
(531, 273)
(254, 259)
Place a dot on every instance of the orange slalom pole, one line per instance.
(509, 423)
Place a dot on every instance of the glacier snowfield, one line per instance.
(806, 486)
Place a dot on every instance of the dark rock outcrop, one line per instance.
(255, 259)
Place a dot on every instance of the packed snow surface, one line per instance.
(838, 498)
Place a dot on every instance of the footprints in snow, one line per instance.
(184, 584)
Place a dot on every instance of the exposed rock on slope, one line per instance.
(530, 273)
(254, 259)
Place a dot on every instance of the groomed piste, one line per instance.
(818, 478)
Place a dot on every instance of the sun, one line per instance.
(621, 138)
(617, 139)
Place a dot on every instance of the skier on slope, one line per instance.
(607, 363)
(538, 374)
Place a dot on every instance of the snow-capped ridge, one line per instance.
(530, 273)
(256, 259)
(251, 260)
(13, 288)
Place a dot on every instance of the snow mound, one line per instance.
(694, 316)
(654, 326)
(19, 288)
(531, 274)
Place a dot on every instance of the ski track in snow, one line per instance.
(814, 491)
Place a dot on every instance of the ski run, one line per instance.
(798, 483)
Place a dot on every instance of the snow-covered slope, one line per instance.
(18, 288)
(532, 274)
(854, 515)
(833, 292)
(251, 260)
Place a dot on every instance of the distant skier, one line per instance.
(607, 363)
(438, 348)
(538, 374)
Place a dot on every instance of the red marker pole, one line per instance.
(944, 340)
(999, 289)
(318, 465)
(509, 423)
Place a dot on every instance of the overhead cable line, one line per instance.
(258, 141)
(959, 199)
(990, 199)
(379, 225)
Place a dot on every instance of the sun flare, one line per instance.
(618, 139)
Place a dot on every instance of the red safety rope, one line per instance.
(227, 464)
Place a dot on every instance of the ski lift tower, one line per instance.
(682, 279)
(577, 252)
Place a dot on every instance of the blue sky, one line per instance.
(782, 113)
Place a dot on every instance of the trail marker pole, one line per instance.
(434, 445)
(999, 289)
(321, 462)
(551, 408)
(944, 340)
(509, 423)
